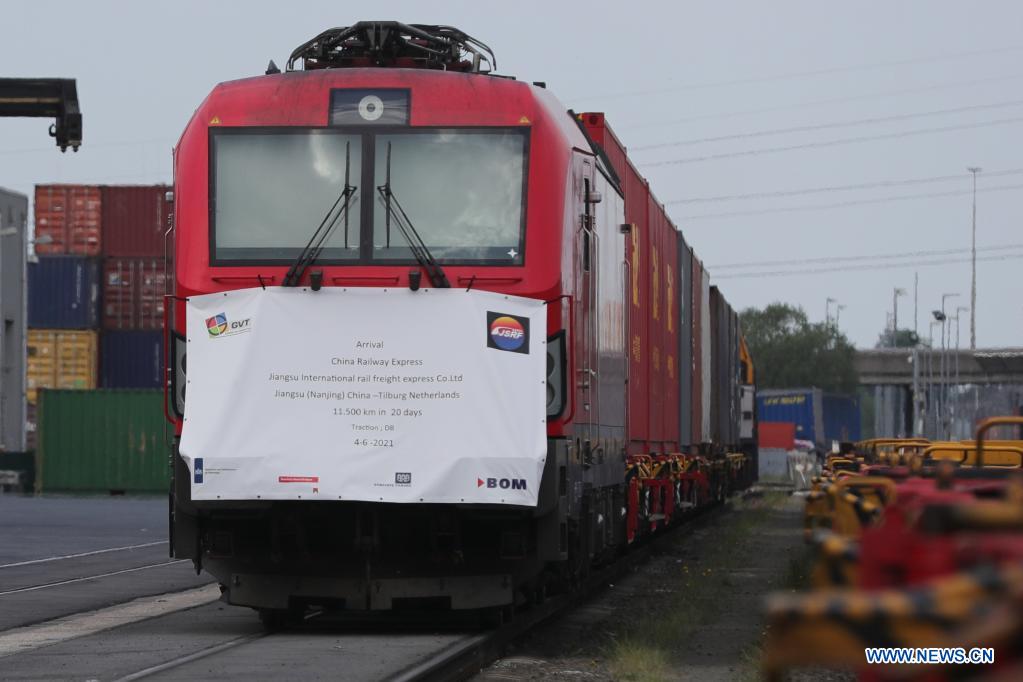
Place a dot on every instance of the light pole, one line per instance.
(895, 315)
(827, 311)
(959, 310)
(916, 294)
(973, 259)
(944, 362)
(931, 397)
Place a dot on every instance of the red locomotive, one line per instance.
(442, 175)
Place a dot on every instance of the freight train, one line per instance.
(434, 343)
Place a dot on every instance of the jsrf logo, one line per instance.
(507, 332)
(219, 325)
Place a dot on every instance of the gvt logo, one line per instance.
(219, 326)
(502, 483)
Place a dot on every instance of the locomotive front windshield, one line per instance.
(463, 191)
(271, 190)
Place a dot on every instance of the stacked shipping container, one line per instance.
(60, 358)
(96, 312)
(135, 224)
(63, 293)
(95, 295)
(68, 220)
(102, 441)
(684, 370)
(63, 316)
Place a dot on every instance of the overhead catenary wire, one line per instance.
(839, 188)
(823, 102)
(833, 143)
(828, 126)
(92, 145)
(845, 204)
(873, 257)
(871, 266)
(806, 74)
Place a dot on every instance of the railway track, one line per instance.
(102, 614)
(464, 659)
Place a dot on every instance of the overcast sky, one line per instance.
(681, 73)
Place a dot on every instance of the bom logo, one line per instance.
(507, 332)
(218, 326)
(502, 483)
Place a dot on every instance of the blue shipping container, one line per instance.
(820, 418)
(131, 359)
(799, 406)
(841, 417)
(63, 293)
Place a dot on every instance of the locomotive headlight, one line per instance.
(361, 106)
(371, 108)
(556, 374)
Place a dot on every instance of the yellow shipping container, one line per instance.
(60, 358)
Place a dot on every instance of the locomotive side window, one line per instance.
(270, 189)
(461, 189)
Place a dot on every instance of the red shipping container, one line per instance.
(598, 130)
(638, 251)
(133, 291)
(655, 286)
(135, 220)
(776, 435)
(655, 329)
(68, 220)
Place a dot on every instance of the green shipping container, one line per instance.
(107, 440)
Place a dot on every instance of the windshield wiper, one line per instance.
(415, 242)
(314, 247)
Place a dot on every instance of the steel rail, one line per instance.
(205, 653)
(70, 581)
(83, 554)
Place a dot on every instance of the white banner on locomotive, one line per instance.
(434, 396)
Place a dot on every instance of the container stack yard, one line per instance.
(95, 295)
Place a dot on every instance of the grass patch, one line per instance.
(639, 662)
(646, 650)
(750, 662)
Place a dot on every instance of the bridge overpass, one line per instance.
(912, 396)
(894, 366)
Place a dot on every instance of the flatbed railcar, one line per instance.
(645, 364)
